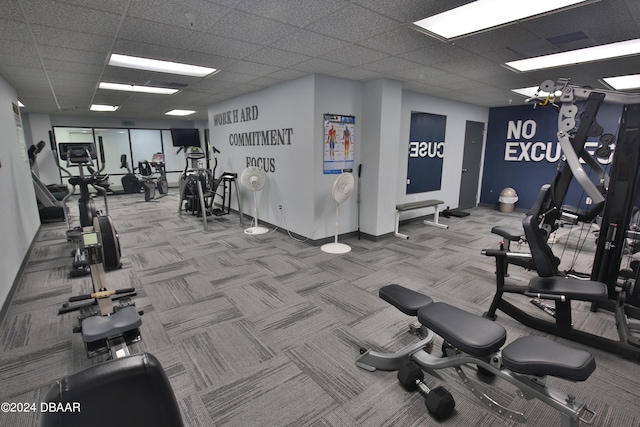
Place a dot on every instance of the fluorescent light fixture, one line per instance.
(631, 81)
(578, 56)
(138, 63)
(20, 104)
(102, 107)
(137, 88)
(484, 14)
(180, 112)
(530, 92)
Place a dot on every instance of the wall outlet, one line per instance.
(280, 206)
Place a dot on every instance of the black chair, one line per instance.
(129, 391)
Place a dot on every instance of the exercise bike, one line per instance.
(82, 155)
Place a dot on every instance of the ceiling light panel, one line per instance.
(623, 82)
(578, 56)
(180, 112)
(156, 65)
(102, 107)
(137, 88)
(484, 14)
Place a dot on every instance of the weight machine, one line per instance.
(614, 197)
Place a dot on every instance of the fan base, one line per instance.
(335, 248)
(256, 230)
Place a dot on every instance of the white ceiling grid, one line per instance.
(56, 52)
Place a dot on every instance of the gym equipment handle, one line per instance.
(100, 294)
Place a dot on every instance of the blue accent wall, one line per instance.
(522, 151)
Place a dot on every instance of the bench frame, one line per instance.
(528, 386)
(405, 207)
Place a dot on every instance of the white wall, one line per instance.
(289, 167)
(457, 115)
(341, 97)
(18, 210)
(383, 115)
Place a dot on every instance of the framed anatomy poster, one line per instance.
(339, 136)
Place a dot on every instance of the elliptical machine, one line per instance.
(153, 180)
(82, 155)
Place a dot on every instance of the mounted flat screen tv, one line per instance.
(185, 137)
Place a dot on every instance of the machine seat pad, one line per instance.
(573, 289)
(541, 356)
(474, 335)
(404, 299)
(508, 233)
(95, 328)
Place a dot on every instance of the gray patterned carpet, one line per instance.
(264, 330)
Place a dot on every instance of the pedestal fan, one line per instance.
(254, 179)
(342, 189)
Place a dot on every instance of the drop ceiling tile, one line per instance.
(11, 10)
(147, 50)
(190, 14)
(18, 48)
(287, 74)
(358, 74)
(19, 61)
(354, 55)
(14, 30)
(317, 65)
(236, 77)
(50, 36)
(251, 68)
(309, 43)
(470, 62)
(276, 57)
(435, 53)
(70, 17)
(264, 82)
(625, 30)
(391, 65)
(213, 85)
(353, 23)
(72, 67)
(409, 10)
(198, 58)
(250, 28)
(299, 12)
(75, 56)
(114, 6)
(156, 33)
(216, 45)
(398, 41)
(421, 73)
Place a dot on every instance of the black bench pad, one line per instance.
(467, 332)
(95, 328)
(405, 300)
(542, 356)
(418, 205)
(573, 289)
(508, 233)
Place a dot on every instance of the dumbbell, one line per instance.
(439, 401)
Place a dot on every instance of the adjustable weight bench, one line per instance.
(525, 363)
(404, 207)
